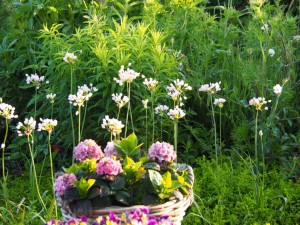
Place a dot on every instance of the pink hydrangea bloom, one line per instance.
(109, 166)
(64, 182)
(87, 149)
(161, 152)
(110, 150)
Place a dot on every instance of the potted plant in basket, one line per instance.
(121, 177)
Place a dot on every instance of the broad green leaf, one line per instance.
(155, 178)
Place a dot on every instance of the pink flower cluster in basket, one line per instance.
(162, 152)
(109, 166)
(136, 216)
(87, 149)
(64, 182)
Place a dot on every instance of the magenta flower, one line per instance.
(161, 152)
(64, 182)
(109, 166)
(87, 149)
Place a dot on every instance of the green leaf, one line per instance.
(155, 178)
(73, 169)
(94, 192)
(123, 197)
(152, 166)
(118, 183)
(83, 186)
(128, 146)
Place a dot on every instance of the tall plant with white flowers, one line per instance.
(48, 125)
(8, 112)
(27, 128)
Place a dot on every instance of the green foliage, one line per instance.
(83, 186)
(128, 146)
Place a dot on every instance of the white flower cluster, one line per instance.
(176, 113)
(26, 128)
(126, 76)
(84, 93)
(113, 125)
(150, 83)
(51, 97)
(47, 125)
(69, 58)
(161, 109)
(259, 102)
(219, 102)
(176, 90)
(120, 100)
(7, 111)
(34, 79)
(210, 88)
(277, 89)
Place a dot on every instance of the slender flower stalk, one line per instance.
(26, 129)
(161, 111)
(70, 58)
(127, 76)
(220, 102)
(145, 103)
(48, 125)
(215, 128)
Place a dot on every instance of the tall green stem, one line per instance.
(215, 128)
(79, 123)
(34, 173)
(83, 121)
(152, 111)
(5, 191)
(52, 173)
(255, 140)
(147, 129)
(161, 128)
(175, 136)
(71, 114)
(220, 134)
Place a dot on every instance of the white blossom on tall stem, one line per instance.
(35, 79)
(113, 125)
(150, 83)
(27, 127)
(277, 89)
(219, 102)
(51, 97)
(70, 58)
(47, 125)
(161, 110)
(126, 76)
(120, 100)
(265, 27)
(177, 88)
(7, 111)
(210, 88)
(259, 102)
(176, 113)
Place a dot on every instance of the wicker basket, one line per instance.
(174, 208)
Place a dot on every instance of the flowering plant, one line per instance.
(120, 175)
(135, 216)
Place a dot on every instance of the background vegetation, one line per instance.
(195, 40)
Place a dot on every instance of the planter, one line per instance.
(175, 208)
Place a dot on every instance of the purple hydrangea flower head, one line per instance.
(87, 149)
(109, 166)
(110, 150)
(161, 152)
(64, 182)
